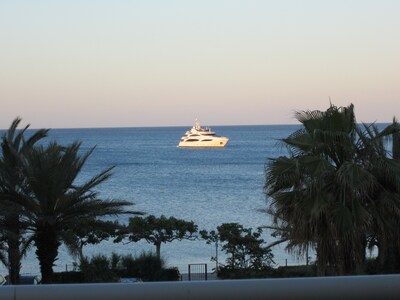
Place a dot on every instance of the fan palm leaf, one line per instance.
(329, 191)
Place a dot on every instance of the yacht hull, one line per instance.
(217, 143)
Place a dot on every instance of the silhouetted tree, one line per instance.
(14, 146)
(160, 230)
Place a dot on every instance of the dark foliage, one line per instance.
(146, 267)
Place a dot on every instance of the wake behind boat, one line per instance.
(202, 137)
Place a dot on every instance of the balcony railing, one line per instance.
(342, 287)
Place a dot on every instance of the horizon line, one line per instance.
(177, 126)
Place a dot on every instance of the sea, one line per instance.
(206, 186)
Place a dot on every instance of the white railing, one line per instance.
(343, 287)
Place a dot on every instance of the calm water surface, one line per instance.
(208, 186)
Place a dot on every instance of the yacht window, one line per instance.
(192, 140)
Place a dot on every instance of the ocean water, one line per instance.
(207, 186)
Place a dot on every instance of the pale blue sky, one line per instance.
(164, 63)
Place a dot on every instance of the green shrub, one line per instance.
(170, 274)
(228, 273)
(295, 271)
(147, 267)
(68, 277)
(281, 272)
(98, 269)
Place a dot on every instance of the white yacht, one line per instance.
(202, 137)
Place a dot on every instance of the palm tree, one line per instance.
(322, 193)
(14, 146)
(385, 165)
(54, 202)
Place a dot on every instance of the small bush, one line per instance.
(281, 272)
(228, 273)
(170, 274)
(147, 267)
(68, 277)
(98, 269)
(295, 271)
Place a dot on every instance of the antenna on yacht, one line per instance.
(196, 124)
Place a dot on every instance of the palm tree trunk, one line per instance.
(14, 260)
(14, 251)
(329, 260)
(47, 250)
(388, 257)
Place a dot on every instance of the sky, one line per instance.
(96, 63)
